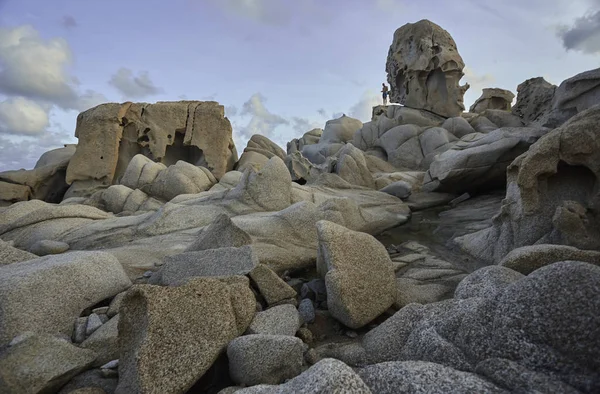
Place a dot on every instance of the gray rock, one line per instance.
(80, 328)
(534, 99)
(104, 342)
(115, 304)
(399, 189)
(41, 363)
(268, 359)
(503, 118)
(486, 282)
(46, 247)
(347, 258)
(306, 310)
(221, 233)
(529, 258)
(483, 125)
(90, 379)
(278, 320)
(493, 98)
(49, 293)
(386, 341)
(350, 353)
(458, 126)
(10, 254)
(205, 315)
(179, 268)
(103, 310)
(326, 376)
(314, 290)
(113, 364)
(270, 285)
(516, 378)
(92, 324)
(418, 377)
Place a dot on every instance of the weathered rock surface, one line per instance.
(311, 137)
(278, 320)
(551, 194)
(45, 247)
(221, 233)
(326, 376)
(358, 274)
(493, 98)
(479, 160)
(10, 254)
(110, 135)
(264, 359)
(424, 69)
(207, 313)
(271, 286)
(47, 294)
(529, 258)
(179, 268)
(336, 133)
(104, 342)
(41, 363)
(534, 99)
(257, 152)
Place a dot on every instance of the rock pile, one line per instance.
(428, 250)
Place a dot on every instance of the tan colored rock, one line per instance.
(270, 285)
(10, 254)
(12, 192)
(493, 98)
(424, 69)
(110, 135)
(358, 273)
(191, 324)
(530, 258)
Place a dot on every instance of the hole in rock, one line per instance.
(575, 183)
(301, 181)
(178, 151)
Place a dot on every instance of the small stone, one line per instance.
(312, 357)
(80, 328)
(113, 308)
(351, 334)
(271, 286)
(314, 290)
(306, 310)
(269, 359)
(305, 334)
(93, 323)
(101, 311)
(114, 364)
(45, 247)
(147, 274)
(278, 320)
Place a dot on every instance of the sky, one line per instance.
(280, 67)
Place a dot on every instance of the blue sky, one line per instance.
(280, 67)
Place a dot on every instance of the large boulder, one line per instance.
(309, 138)
(257, 152)
(479, 161)
(534, 99)
(47, 294)
(336, 134)
(493, 98)
(552, 194)
(424, 69)
(358, 273)
(110, 135)
(191, 324)
(41, 363)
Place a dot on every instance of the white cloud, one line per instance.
(132, 86)
(477, 83)
(363, 109)
(230, 110)
(20, 153)
(22, 116)
(36, 69)
(263, 121)
(302, 125)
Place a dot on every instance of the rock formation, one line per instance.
(427, 250)
(424, 69)
(110, 135)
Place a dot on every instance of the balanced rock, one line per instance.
(424, 69)
(204, 316)
(493, 98)
(534, 99)
(358, 273)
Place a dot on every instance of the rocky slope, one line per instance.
(429, 250)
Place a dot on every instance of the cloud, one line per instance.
(322, 112)
(22, 116)
(20, 153)
(263, 121)
(231, 110)
(302, 125)
(363, 109)
(583, 35)
(477, 83)
(132, 86)
(69, 22)
(36, 69)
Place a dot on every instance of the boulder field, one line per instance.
(429, 250)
